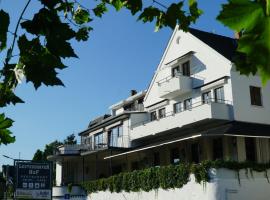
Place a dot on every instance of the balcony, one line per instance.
(171, 87)
(69, 149)
(91, 145)
(197, 112)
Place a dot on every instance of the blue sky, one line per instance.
(121, 54)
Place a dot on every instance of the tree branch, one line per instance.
(15, 32)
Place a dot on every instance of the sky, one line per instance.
(121, 54)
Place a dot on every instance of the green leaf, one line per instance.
(194, 10)
(100, 9)
(51, 3)
(149, 14)
(83, 33)
(81, 16)
(4, 23)
(5, 134)
(134, 6)
(39, 64)
(241, 14)
(255, 46)
(42, 23)
(45, 23)
(174, 14)
(118, 4)
(7, 96)
(60, 48)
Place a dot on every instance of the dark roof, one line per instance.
(241, 129)
(226, 46)
(98, 120)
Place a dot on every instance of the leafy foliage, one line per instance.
(82, 16)
(5, 134)
(100, 9)
(71, 139)
(39, 64)
(48, 150)
(4, 21)
(251, 19)
(166, 177)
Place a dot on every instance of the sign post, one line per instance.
(33, 180)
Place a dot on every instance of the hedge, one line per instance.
(167, 177)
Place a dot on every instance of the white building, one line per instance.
(197, 107)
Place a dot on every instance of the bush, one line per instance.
(167, 177)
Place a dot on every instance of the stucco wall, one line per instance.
(206, 64)
(243, 110)
(224, 186)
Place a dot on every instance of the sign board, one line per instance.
(33, 180)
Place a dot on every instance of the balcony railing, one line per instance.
(211, 108)
(113, 142)
(172, 86)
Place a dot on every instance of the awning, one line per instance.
(241, 129)
(233, 128)
(153, 146)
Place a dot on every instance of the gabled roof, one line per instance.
(226, 46)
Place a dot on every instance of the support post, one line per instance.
(111, 162)
(96, 166)
(83, 167)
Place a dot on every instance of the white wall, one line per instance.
(224, 186)
(206, 111)
(206, 63)
(243, 110)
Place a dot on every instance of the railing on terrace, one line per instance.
(116, 142)
(189, 108)
(121, 141)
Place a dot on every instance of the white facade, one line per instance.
(194, 86)
(223, 186)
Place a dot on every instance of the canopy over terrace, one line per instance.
(193, 131)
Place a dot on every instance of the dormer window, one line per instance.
(186, 69)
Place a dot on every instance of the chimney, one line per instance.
(133, 92)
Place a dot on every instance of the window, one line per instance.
(175, 156)
(186, 69)
(153, 116)
(129, 107)
(156, 159)
(87, 140)
(187, 104)
(255, 96)
(206, 97)
(177, 107)
(162, 113)
(175, 71)
(219, 94)
(115, 134)
(250, 149)
(98, 140)
(217, 148)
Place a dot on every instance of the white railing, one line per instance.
(189, 108)
(115, 142)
